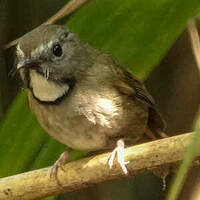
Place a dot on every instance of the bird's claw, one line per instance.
(63, 159)
(119, 150)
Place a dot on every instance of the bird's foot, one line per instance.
(63, 159)
(119, 150)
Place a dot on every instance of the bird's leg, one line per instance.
(150, 134)
(119, 150)
(63, 159)
(154, 136)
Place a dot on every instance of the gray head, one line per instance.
(50, 59)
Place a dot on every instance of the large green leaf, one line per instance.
(137, 32)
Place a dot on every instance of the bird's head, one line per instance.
(50, 59)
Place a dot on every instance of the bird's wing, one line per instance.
(132, 87)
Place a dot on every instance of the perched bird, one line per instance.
(82, 97)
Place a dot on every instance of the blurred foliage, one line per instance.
(186, 163)
(137, 32)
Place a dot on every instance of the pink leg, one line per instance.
(63, 159)
(119, 150)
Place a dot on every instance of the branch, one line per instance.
(69, 8)
(92, 170)
(195, 41)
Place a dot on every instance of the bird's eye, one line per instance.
(57, 50)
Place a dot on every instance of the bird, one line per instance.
(83, 97)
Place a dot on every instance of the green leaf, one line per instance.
(21, 138)
(137, 32)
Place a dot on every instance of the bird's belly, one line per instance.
(79, 132)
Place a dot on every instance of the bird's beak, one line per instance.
(27, 62)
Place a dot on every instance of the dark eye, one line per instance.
(57, 50)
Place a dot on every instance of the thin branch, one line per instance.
(195, 41)
(92, 170)
(69, 8)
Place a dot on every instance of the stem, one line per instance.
(92, 170)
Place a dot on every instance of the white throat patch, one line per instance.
(46, 90)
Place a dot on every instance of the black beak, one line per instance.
(28, 62)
